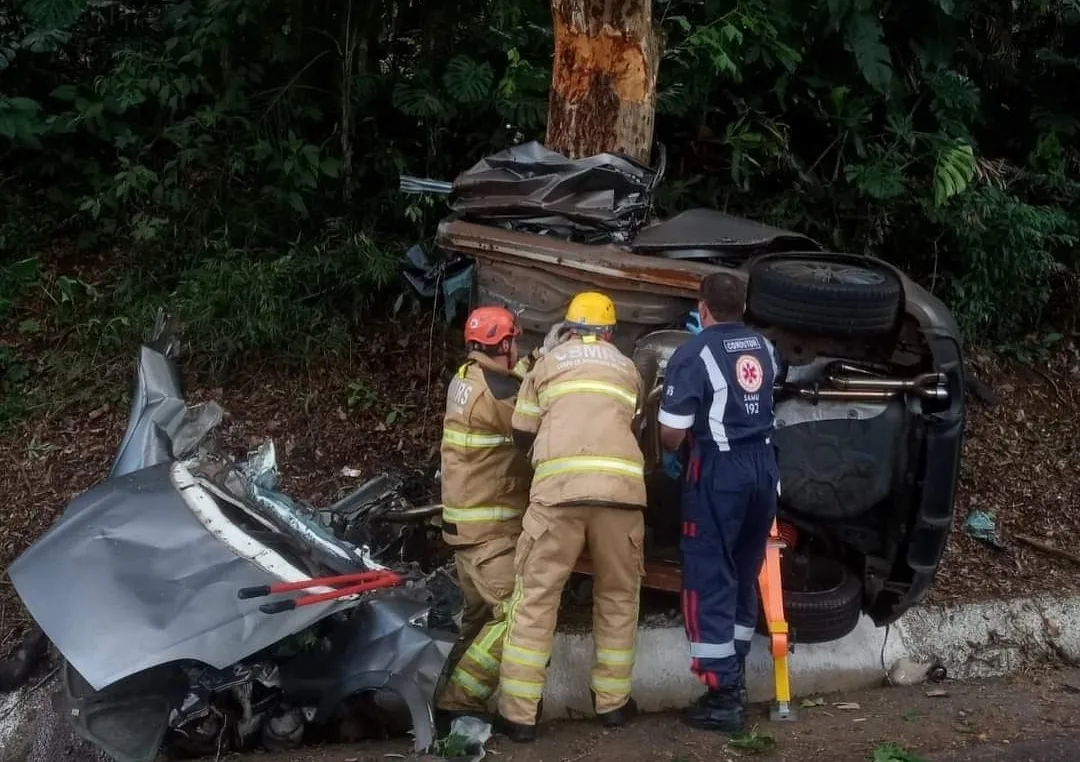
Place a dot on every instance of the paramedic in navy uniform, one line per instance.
(718, 403)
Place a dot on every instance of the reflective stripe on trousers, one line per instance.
(477, 673)
(743, 635)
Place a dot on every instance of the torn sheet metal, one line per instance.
(597, 199)
(131, 577)
(384, 645)
(712, 235)
(162, 427)
(261, 477)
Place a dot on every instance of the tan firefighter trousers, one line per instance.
(486, 574)
(549, 546)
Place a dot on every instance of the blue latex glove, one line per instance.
(672, 465)
(694, 323)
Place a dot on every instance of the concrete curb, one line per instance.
(970, 641)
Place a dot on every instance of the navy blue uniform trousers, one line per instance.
(729, 502)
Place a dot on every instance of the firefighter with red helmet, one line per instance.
(485, 491)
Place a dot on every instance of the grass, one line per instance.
(753, 741)
(891, 752)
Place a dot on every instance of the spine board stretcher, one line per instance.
(666, 577)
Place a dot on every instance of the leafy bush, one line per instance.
(225, 153)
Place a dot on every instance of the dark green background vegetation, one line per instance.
(239, 159)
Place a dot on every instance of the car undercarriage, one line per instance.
(870, 409)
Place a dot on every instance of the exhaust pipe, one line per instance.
(927, 385)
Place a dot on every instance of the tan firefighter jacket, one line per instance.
(580, 400)
(485, 478)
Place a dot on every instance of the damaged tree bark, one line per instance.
(603, 83)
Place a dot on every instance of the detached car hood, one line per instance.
(144, 570)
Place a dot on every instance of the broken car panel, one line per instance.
(137, 584)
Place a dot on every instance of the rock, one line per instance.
(907, 671)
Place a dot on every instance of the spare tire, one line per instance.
(822, 598)
(831, 296)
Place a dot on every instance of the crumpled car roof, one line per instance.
(605, 197)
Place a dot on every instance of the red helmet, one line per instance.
(490, 326)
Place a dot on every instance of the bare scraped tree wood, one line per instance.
(603, 84)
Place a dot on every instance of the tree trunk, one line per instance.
(603, 83)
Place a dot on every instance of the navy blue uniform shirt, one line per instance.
(719, 384)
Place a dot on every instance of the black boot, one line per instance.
(618, 717)
(718, 710)
(515, 731)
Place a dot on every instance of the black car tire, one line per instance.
(825, 296)
(828, 611)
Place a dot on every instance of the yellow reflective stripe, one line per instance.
(511, 607)
(484, 660)
(582, 463)
(527, 409)
(615, 656)
(588, 387)
(479, 514)
(611, 684)
(468, 439)
(495, 633)
(521, 688)
(470, 684)
(524, 656)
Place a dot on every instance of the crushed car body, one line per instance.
(138, 583)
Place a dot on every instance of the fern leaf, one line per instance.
(953, 171)
(468, 80)
(863, 38)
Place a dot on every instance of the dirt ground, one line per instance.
(1023, 717)
(338, 423)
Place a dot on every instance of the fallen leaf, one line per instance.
(810, 703)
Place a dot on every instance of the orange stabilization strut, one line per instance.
(772, 599)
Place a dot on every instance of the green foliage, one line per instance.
(891, 752)
(953, 171)
(1010, 252)
(864, 39)
(238, 160)
(922, 132)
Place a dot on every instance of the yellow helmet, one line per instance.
(591, 309)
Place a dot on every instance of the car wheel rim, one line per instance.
(830, 272)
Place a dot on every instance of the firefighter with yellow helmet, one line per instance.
(574, 415)
(485, 490)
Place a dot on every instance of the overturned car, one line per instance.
(869, 415)
(162, 590)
